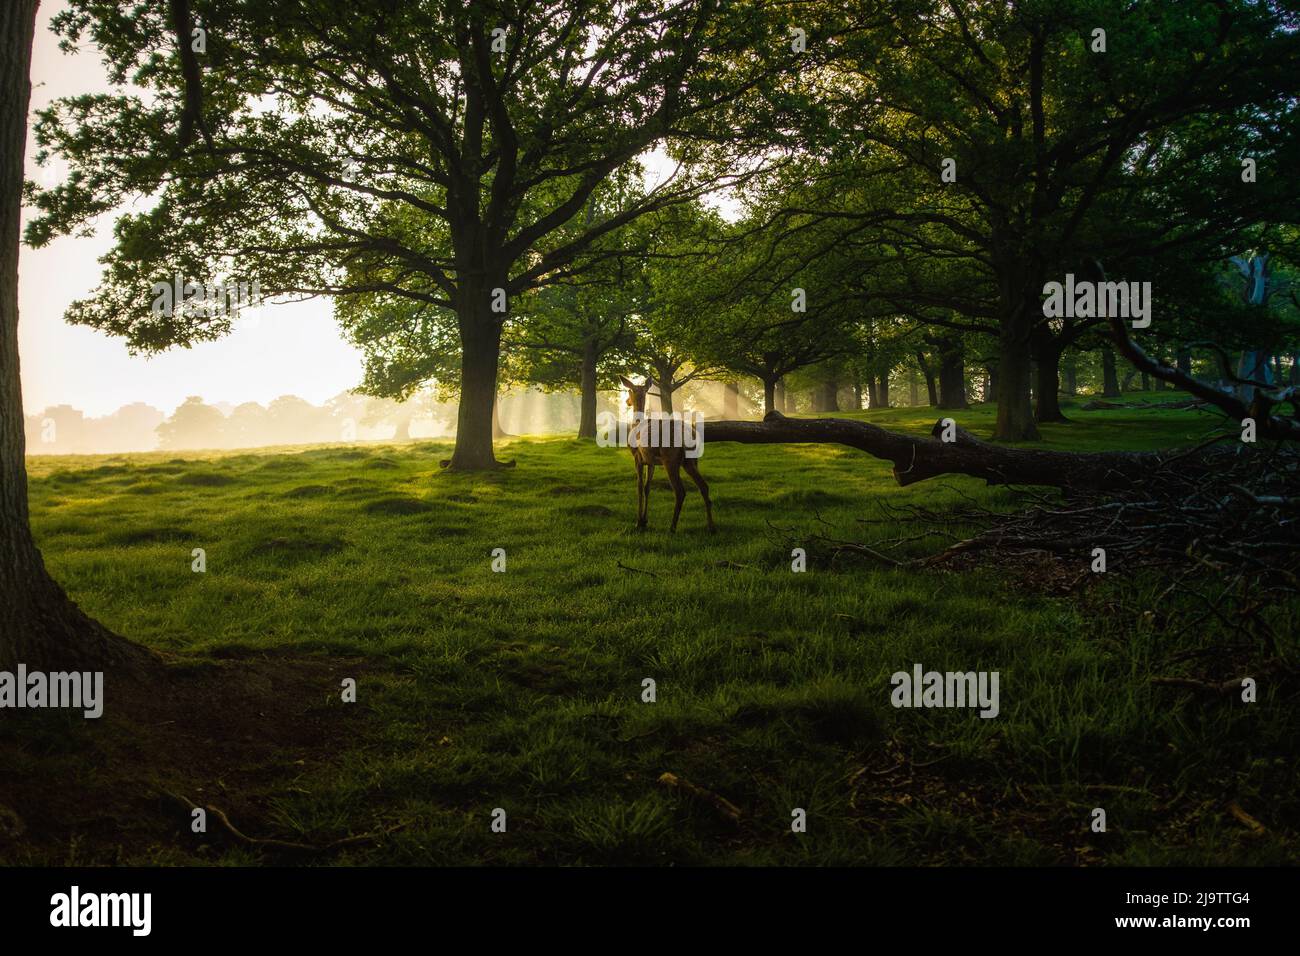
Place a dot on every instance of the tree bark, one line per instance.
(39, 624)
(1070, 373)
(1015, 413)
(952, 377)
(882, 390)
(665, 387)
(830, 396)
(497, 430)
(918, 459)
(588, 397)
(1109, 378)
(480, 336)
(1047, 401)
(1019, 284)
(929, 378)
(781, 404)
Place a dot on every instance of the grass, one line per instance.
(522, 690)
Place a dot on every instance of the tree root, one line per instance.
(276, 844)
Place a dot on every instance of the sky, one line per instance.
(290, 349)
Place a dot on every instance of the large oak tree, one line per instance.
(431, 150)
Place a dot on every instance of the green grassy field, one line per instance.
(523, 689)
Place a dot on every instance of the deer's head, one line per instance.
(636, 393)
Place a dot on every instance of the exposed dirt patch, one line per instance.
(228, 734)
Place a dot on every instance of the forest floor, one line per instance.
(523, 689)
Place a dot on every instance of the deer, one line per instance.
(645, 457)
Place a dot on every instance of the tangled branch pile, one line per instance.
(1223, 543)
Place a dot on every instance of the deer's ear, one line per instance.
(625, 382)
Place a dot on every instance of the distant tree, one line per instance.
(249, 426)
(194, 424)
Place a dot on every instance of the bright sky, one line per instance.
(294, 349)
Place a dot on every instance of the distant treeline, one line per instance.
(289, 420)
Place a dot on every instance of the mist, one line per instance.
(197, 424)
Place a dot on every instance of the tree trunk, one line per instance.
(913, 389)
(952, 376)
(1185, 361)
(39, 625)
(1015, 413)
(1047, 405)
(480, 336)
(873, 395)
(1019, 286)
(928, 372)
(665, 385)
(769, 395)
(497, 430)
(882, 390)
(731, 400)
(587, 413)
(830, 396)
(918, 459)
(992, 394)
(1109, 379)
(781, 404)
(1070, 373)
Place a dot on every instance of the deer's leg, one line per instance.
(693, 470)
(640, 491)
(649, 477)
(673, 467)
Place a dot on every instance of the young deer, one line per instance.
(645, 457)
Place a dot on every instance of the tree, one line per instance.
(40, 626)
(569, 332)
(430, 151)
(996, 139)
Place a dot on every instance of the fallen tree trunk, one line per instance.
(917, 459)
(1096, 405)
